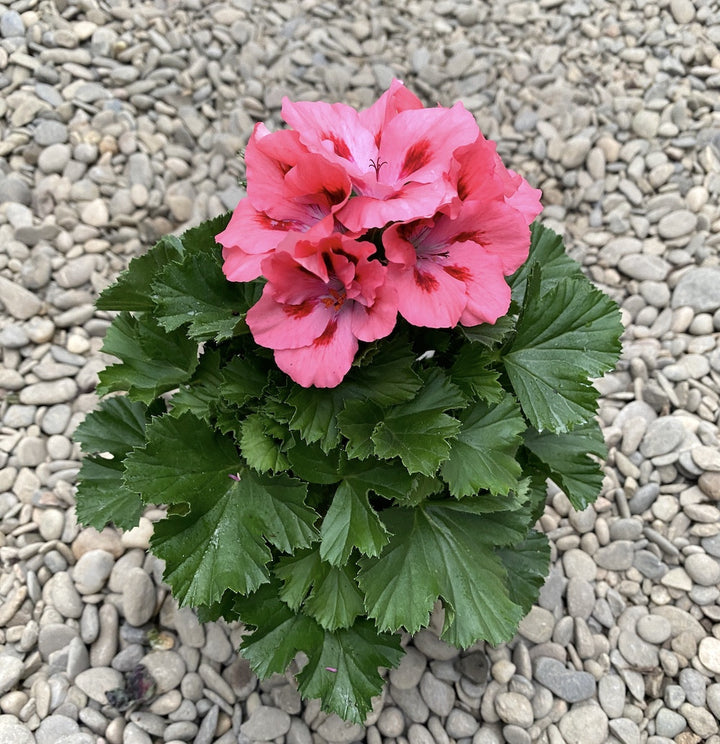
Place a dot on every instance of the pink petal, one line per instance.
(488, 294)
(427, 295)
(526, 200)
(418, 144)
(395, 99)
(334, 131)
(284, 326)
(375, 321)
(326, 361)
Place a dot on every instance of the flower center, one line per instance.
(336, 299)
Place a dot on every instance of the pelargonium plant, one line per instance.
(349, 394)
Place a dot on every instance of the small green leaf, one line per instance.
(102, 497)
(343, 669)
(243, 380)
(548, 251)
(197, 293)
(566, 456)
(387, 377)
(527, 566)
(310, 463)
(152, 361)
(357, 423)
(565, 337)
(262, 451)
(116, 426)
(440, 550)
(417, 431)
(221, 543)
(335, 601)
(280, 632)
(483, 455)
(315, 414)
(199, 395)
(184, 460)
(133, 289)
(471, 374)
(351, 523)
(491, 334)
(298, 572)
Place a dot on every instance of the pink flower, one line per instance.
(397, 155)
(451, 271)
(482, 176)
(292, 193)
(319, 301)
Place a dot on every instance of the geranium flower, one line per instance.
(319, 301)
(398, 156)
(449, 271)
(290, 192)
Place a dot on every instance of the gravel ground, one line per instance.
(122, 121)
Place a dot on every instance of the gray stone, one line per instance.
(611, 695)
(683, 11)
(574, 152)
(637, 652)
(11, 24)
(699, 289)
(55, 727)
(669, 723)
(644, 267)
(11, 669)
(702, 569)
(567, 684)
(50, 132)
(514, 709)
(166, 667)
(617, 556)
(54, 158)
(92, 570)
(14, 733)
(580, 598)
(138, 597)
(64, 596)
(625, 730)
(653, 629)
(409, 671)
(17, 301)
(662, 436)
(266, 723)
(709, 654)
(96, 682)
(584, 724)
(439, 696)
(700, 720)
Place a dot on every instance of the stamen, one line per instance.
(377, 165)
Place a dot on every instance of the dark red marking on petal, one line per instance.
(463, 190)
(339, 145)
(264, 220)
(418, 156)
(299, 311)
(476, 236)
(426, 282)
(327, 335)
(458, 272)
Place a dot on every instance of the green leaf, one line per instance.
(440, 550)
(335, 600)
(298, 572)
(343, 670)
(184, 460)
(102, 497)
(116, 426)
(221, 543)
(315, 414)
(471, 374)
(259, 447)
(417, 431)
(387, 377)
(357, 422)
(310, 463)
(243, 380)
(351, 523)
(199, 395)
(133, 289)
(548, 251)
(567, 458)
(280, 632)
(483, 455)
(152, 361)
(197, 293)
(201, 238)
(491, 334)
(387, 478)
(527, 566)
(565, 336)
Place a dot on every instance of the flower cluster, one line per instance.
(353, 217)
